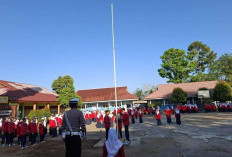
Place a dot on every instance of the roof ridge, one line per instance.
(186, 82)
(21, 83)
(102, 88)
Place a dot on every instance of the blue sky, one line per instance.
(42, 39)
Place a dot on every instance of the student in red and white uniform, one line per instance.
(18, 132)
(53, 126)
(23, 129)
(119, 124)
(168, 113)
(136, 113)
(158, 117)
(125, 118)
(132, 116)
(178, 116)
(11, 131)
(195, 108)
(113, 147)
(140, 116)
(183, 108)
(107, 123)
(41, 130)
(59, 123)
(5, 133)
(32, 127)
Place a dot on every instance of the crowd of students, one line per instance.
(18, 131)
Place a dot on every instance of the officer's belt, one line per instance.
(73, 133)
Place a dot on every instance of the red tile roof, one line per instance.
(19, 92)
(165, 90)
(105, 94)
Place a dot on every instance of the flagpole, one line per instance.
(115, 81)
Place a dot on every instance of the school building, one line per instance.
(104, 98)
(18, 99)
(164, 91)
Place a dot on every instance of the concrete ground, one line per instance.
(201, 134)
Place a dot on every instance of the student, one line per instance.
(23, 128)
(132, 116)
(119, 124)
(53, 126)
(107, 122)
(33, 131)
(140, 116)
(113, 147)
(18, 132)
(41, 130)
(158, 117)
(5, 132)
(126, 122)
(11, 131)
(136, 113)
(168, 113)
(177, 115)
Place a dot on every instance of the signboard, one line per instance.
(203, 94)
(4, 100)
(5, 113)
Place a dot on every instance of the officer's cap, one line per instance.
(75, 100)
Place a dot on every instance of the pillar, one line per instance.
(97, 106)
(164, 102)
(193, 100)
(34, 107)
(58, 108)
(150, 101)
(23, 114)
(109, 104)
(85, 106)
(48, 106)
(121, 104)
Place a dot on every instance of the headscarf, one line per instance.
(113, 144)
(157, 111)
(177, 111)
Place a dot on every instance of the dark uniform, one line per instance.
(73, 136)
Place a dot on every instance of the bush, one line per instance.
(178, 96)
(223, 92)
(39, 114)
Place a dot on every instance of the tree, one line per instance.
(63, 86)
(139, 93)
(148, 89)
(202, 57)
(175, 66)
(178, 96)
(63, 82)
(222, 68)
(222, 92)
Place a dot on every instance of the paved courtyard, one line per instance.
(201, 134)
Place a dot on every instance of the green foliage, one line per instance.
(222, 68)
(39, 114)
(150, 105)
(156, 104)
(201, 55)
(203, 88)
(175, 66)
(178, 96)
(63, 82)
(139, 93)
(180, 66)
(64, 87)
(223, 92)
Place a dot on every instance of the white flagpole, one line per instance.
(115, 82)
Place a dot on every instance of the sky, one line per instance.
(43, 39)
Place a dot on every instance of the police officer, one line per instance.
(73, 126)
